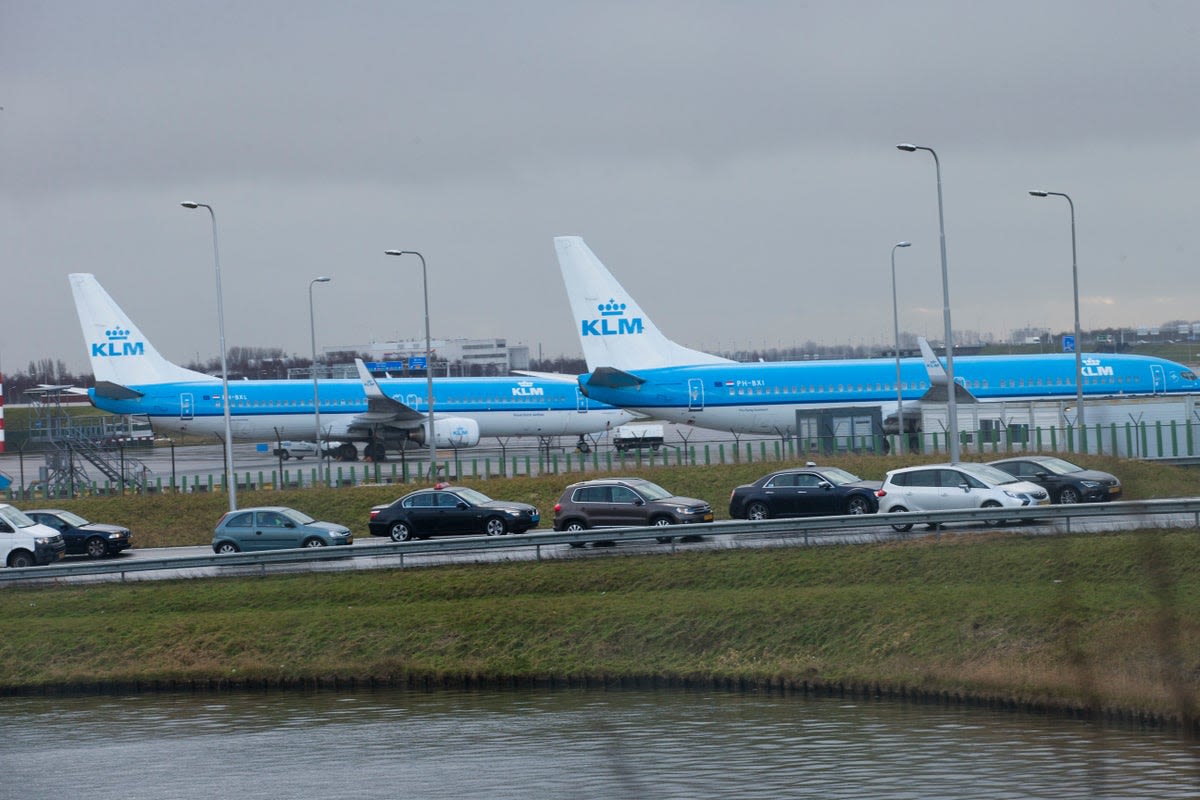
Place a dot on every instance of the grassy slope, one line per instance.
(1097, 621)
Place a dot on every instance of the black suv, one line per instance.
(625, 502)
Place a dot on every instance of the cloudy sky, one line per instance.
(733, 164)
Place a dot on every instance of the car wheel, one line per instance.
(313, 541)
(285, 455)
(95, 547)
(757, 511)
(21, 558)
(226, 547)
(1068, 495)
(994, 523)
(401, 532)
(900, 526)
(858, 505)
(495, 527)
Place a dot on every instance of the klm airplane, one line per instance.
(133, 378)
(633, 365)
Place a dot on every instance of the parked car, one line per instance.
(625, 502)
(450, 511)
(1066, 482)
(804, 491)
(296, 450)
(940, 487)
(24, 543)
(95, 539)
(275, 528)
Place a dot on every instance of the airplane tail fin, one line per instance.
(120, 354)
(613, 330)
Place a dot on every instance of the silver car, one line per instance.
(943, 487)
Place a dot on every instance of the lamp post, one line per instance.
(1078, 337)
(428, 359)
(312, 327)
(951, 399)
(896, 329)
(230, 479)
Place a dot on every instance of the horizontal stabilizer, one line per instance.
(613, 378)
(115, 391)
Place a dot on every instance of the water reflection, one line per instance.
(567, 744)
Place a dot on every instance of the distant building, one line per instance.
(460, 354)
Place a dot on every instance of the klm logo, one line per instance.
(459, 431)
(1093, 369)
(527, 389)
(118, 344)
(612, 322)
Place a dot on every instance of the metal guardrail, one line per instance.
(809, 528)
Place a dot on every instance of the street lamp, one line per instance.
(230, 478)
(896, 326)
(951, 391)
(428, 359)
(312, 327)
(1078, 337)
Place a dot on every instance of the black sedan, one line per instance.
(450, 511)
(1066, 482)
(804, 491)
(95, 539)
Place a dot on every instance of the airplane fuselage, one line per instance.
(284, 408)
(764, 397)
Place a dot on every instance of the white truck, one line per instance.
(297, 450)
(629, 437)
(24, 543)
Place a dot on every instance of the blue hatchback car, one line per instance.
(275, 528)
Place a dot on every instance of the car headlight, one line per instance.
(513, 512)
(1016, 495)
(1090, 484)
(44, 540)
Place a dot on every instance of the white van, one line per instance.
(24, 542)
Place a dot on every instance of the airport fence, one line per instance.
(1160, 439)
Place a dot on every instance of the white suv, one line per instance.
(942, 487)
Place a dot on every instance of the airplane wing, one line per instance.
(557, 377)
(381, 409)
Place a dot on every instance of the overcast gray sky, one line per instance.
(733, 164)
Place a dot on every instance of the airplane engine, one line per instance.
(455, 432)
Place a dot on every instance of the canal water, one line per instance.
(568, 744)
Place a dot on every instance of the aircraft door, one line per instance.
(1158, 378)
(186, 406)
(695, 394)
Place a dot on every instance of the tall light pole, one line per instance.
(230, 478)
(312, 327)
(896, 328)
(1078, 336)
(951, 389)
(428, 359)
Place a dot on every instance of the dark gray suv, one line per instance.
(625, 502)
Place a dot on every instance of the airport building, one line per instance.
(456, 356)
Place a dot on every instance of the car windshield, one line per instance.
(15, 518)
(1058, 466)
(987, 473)
(651, 491)
(72, 519)
(298, 517)
(838, 476)
(473, 497)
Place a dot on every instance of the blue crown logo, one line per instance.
(117, 334)
(611, 309)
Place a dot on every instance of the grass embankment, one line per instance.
(1080, 621)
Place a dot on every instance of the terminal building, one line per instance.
(451, 357)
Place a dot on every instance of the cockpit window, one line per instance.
(1188, 375)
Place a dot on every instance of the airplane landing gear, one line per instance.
(582, 445)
